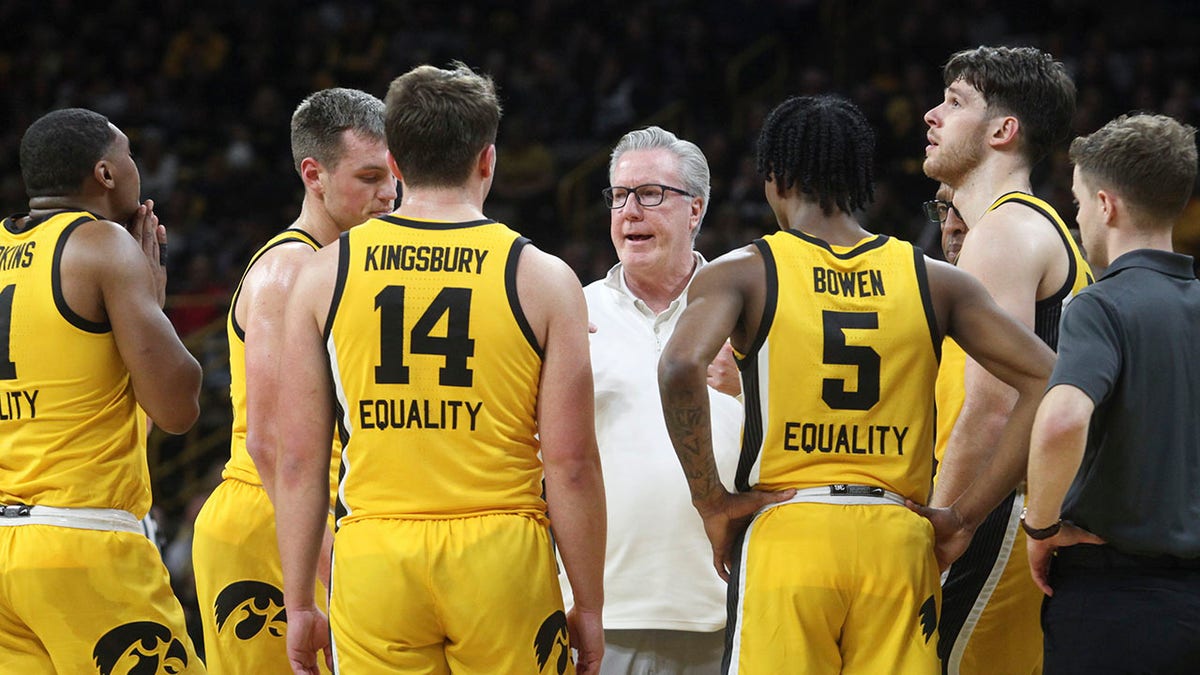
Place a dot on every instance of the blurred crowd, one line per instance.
(205, 92)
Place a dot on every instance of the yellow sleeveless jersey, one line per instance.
(1046, 313)
(839, 381)
(71, 432)
(241, 465)
(435, 370)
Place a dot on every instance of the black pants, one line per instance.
(1117, 613)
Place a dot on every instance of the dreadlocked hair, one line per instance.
(824, 146)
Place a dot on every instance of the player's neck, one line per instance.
(42, 206)
(980, 188)
(453, 205)
(838, 228)
(316, 221)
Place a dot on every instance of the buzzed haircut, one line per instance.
(822, 145)
(693, 166)
(320, 119)
(61, 148)
(438, 121)
(1148, 159)
(1024, 82)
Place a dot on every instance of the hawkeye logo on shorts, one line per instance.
(551, 636)
(140, 648)
(253, 605)
(928, 618)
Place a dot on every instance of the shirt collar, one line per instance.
(1165, 262)
(615, 279)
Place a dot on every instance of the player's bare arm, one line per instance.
(260, 311)
(1011, 352)
(1016, 257)
(303, 454)
(110, 276)
(721, 300)
(552, 301)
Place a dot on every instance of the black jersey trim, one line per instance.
(966, 577)
(298, 236)
(733, 600)
(1048, 310)
(752, 427)
(876, 242)
(927, 301)
(340, 510)
(427, 225)
(339, 284)
(514, 300)
(60, 300)
(770, 301)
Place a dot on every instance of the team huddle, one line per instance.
(822, 452)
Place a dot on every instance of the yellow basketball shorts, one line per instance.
(825, 588)
(88, 601)
(239, 582)
(463, 595)
(991, 609)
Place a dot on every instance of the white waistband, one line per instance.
(845, 494)
(114, 520)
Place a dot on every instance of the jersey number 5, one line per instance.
(8, 369)
(833, 391)
(456, 345)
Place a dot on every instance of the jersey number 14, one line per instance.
(456, 346)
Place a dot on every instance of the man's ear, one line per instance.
(1110, 204)
(393, 167)
(1004, 131)
(487, 161)
(310, 174)
(103, 174)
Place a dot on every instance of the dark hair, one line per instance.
(824, 146)
(60, 149)
(320, 119)
(1024, 82)
(438, 121)
(1149, 159)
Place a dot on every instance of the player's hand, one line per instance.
(586, 633)
(1041, 551)
(723, 372)
(152, 236)
(951, 534)
(726, 517)
(307, 634)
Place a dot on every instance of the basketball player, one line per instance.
(449, 351)
(84, 349)
(837, 333)
(339, 151)
(1003, 110)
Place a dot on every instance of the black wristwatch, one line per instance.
(1040, 532)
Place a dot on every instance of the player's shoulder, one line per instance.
(100, 243)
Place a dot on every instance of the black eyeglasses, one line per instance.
(936, 211)
(650, 194)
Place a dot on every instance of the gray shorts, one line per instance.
(662, 652)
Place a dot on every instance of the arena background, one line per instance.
(205, 92)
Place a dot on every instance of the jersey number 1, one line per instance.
(456, 345)
(833, 392)
(8, 369)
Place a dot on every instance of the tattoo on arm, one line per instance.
(691, 432)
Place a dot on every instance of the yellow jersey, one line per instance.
(241, 465)
(838, 383)
(71, 432)
(951, 390)
(436, 372)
